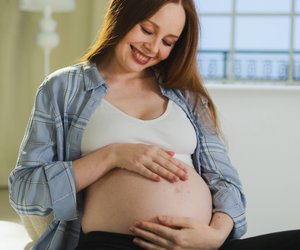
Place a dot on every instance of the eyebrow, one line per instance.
(157, 27)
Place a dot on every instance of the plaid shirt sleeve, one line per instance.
(220, 175)
(42, 182)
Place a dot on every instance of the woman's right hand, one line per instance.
(149, 161)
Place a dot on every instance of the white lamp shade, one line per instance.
(55, 5)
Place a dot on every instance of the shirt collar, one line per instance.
(92, 78)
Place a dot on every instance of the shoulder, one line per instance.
(59, 88)
(78, 78)
(69, 88)
(61, 79)
(193, 99)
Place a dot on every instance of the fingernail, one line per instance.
(162, 218)
(131, 229)
(185, 177)
(137, 223)
(171, 153)
(135, 240)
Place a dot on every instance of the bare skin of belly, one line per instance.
(120, 198)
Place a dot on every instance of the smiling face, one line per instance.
(150, 41)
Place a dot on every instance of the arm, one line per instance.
(42, 181)
(223, 225)
(93, 166)
(221, 177)
(149, 161)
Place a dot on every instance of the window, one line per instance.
(250, 40)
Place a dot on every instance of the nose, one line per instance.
(152, 46)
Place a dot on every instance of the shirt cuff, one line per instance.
(62, 189)
(227, 202)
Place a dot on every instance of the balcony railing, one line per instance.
(249, 65)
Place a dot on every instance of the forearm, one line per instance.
(223, 224)
(93, 166)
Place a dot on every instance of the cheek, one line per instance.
(122, 48)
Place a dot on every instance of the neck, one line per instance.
(122, 76)
(110, 71)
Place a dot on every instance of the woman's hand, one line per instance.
(149, 161)
(182, 233)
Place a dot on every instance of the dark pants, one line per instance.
(287, 240)
(106, 241)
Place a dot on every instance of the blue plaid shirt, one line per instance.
(43, 180)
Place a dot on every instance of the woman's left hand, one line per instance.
(180, 233)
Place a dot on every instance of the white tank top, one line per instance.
(172, 130)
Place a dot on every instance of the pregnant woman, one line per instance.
(141, 136)
(122, 150)
(126, 140)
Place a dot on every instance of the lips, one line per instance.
(139, 57)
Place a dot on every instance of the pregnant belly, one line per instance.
(120, 198)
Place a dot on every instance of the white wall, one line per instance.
(262, 128)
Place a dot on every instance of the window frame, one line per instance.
(292, 14)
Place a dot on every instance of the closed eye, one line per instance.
(146, 31)
(149, 32)
(167, 43)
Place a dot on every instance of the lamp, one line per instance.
(47, 38)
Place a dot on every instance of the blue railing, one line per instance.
(251, 65)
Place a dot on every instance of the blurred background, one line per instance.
(249, 56)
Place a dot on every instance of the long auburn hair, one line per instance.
(179, 70)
